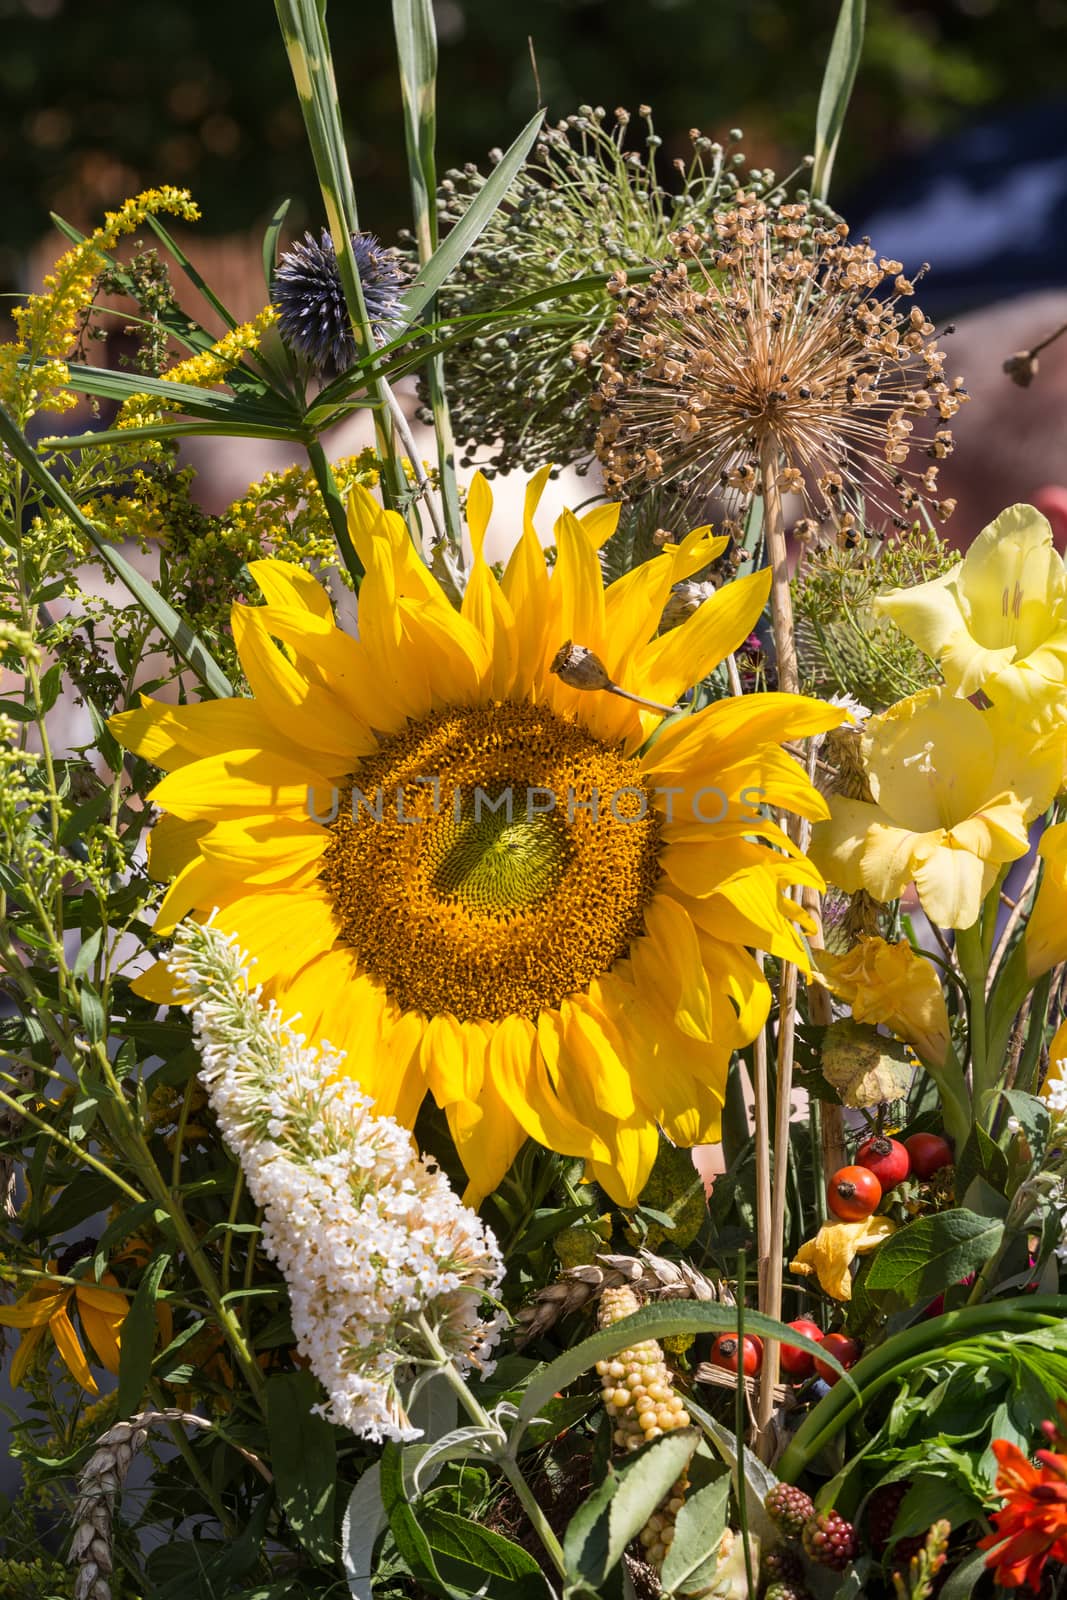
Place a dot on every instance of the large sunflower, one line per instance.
(575, 970)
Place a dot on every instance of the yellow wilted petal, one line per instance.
(70, 1350)
(831, 1253)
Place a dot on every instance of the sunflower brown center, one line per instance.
(492, 860)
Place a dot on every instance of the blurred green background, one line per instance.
(99, 98)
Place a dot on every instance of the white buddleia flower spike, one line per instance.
(368, 1234)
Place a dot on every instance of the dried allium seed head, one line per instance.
(772, 326)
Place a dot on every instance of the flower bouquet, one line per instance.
(395, 892)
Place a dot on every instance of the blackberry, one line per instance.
(882, 1509)
(782, 1565)
(789, 1508)
(786, 1591)
(829, 1540)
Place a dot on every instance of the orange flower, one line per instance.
(1031, 1526)
(102, 1311)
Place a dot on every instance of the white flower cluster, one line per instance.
(369, 1235)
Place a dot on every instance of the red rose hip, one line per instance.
(847, 1351)
(724, 1353)
(797, 1363)
(928, 1153)
(886, 1158)
(853, 1193)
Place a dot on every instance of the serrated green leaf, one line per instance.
(412, 1544)
(934, 1251)
(479, 1560)
(303, 1453)
(619, 1507)
(138, 1337)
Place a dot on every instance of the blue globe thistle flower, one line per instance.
(313, 317)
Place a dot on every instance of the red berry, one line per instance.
(724, 1353)
(886, 1158)
(797, 1363)
(829, 1540)
(847, 1351)
(853, 1193)
(789, 1508)
(928, 1153)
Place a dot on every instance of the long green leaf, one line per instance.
(195, 277)
(175, 430)
(270, 243)
(841, 67)
(416, 44)
(470, 226)
(662, 1321)
(307, 44)
(181, 636)
(304, 1458)
(194, 402)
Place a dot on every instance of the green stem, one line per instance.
(78, 1150)
(902, 1353)
(1024, 1078)
(501, 1455)
(335, 509)
(972, 959)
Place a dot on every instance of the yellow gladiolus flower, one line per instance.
(834, 1248)
(1045, 940)
(891, 984)
(998, 620)
(954, 791)
(44, 1308)
(1054, 1088)
(570, 966)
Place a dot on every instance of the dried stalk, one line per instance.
(785, 649)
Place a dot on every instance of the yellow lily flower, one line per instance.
(831, 1253)
(998, 620)
(102, 1314)
(954, 791)
(891, 984)
(1045, 941)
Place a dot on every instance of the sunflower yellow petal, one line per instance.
(281, 932)
(172, 736)
(239, 783)
(683, 655)
(487, 1138)
(283, 583)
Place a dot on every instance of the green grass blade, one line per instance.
(474, 220)
(185, 642)
(195, 278)
(841, 67)
(171, 430)
(194, 402)
(307, 44)
(270, 244)
(416, 44)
